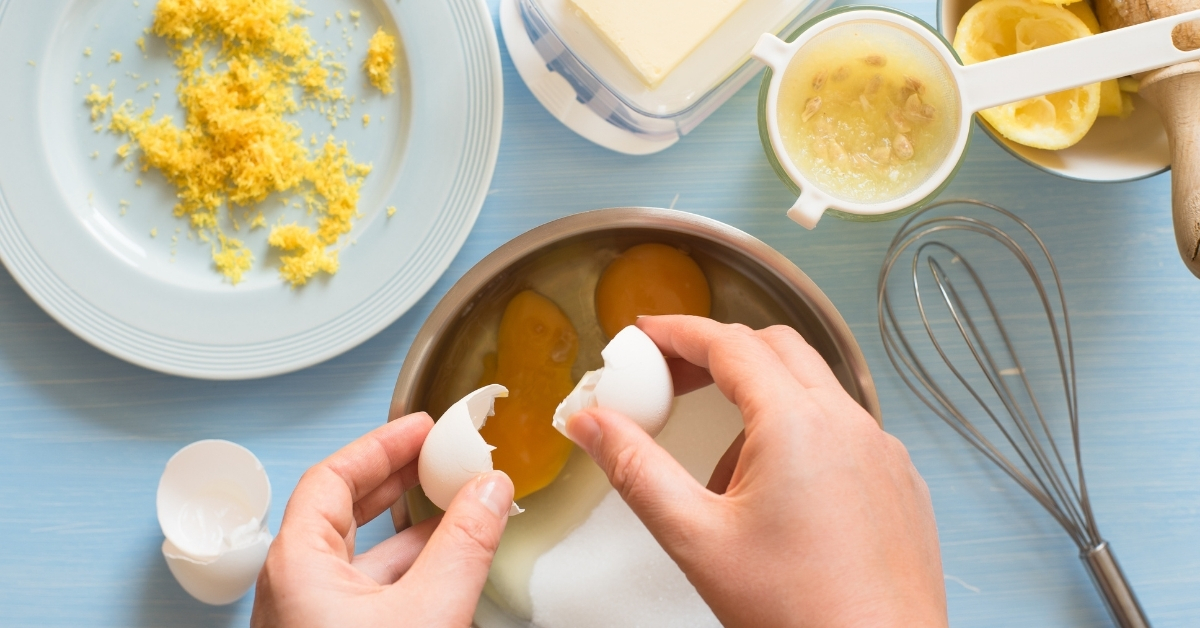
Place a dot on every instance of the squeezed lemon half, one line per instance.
(998, 28)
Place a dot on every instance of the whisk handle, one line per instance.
(1114, 588)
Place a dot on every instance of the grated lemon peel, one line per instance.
(381, 57)
(243, 66)
(310, 256)
(99, 102)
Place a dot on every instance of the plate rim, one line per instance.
(56, 297)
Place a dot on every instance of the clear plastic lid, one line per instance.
(595, 66)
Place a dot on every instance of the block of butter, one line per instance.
(654, 36)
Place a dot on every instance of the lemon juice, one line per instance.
(867, 113)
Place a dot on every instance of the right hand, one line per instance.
(814, 517)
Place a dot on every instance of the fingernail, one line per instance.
(495, 492)
(583, 429)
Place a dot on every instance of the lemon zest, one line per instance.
(243, 66)
(99, 102)
(310, 256)
(381, 58)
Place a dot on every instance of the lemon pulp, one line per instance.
(867, 112)
(998, 28)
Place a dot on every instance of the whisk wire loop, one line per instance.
(1051, 484)
(1036, 472)
(1033, 460)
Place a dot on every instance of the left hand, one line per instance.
(428, 575)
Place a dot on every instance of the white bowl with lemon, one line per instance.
(1099, 133)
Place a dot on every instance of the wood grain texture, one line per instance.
(84, 436)
(1175, 92)
(1114, 14)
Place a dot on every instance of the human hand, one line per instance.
(814, 517)
(428, 575)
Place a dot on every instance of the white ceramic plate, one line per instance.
(1114, 150)
(90, 261)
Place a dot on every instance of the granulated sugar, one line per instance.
(610, 571)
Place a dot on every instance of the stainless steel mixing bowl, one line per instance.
(751, 283)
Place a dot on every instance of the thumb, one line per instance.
(453, 567)
(668, 500)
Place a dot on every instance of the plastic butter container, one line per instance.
(573, 68)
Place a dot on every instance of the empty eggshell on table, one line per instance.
(454, 453)
(213, 501)
(221, 580)
(634, 381)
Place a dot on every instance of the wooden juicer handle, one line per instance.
(1175, 92)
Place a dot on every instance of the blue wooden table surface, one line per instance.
(84, 436)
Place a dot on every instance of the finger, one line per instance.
(374, 503)
(687, 377)
(800, 358)
(746, 369)
(812, 371)
(324, 499)
(389, 560)
(656, 487)
(721, 476)
(454, 565)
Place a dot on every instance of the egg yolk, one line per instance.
(650, 280)
(534, 354)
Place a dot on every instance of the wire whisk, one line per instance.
(976, 382)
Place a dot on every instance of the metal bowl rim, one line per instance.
(445, 313)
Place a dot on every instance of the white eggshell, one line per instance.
(454, 453)
(582, 397)
(221, 580)
(635, 381)
(213, 501)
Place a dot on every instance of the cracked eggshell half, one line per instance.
(213, 501)
(224, 579)
(635, 381)
(454, 453)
